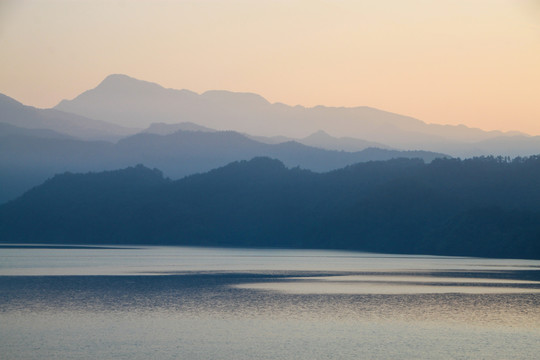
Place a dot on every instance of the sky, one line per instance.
(472, 62)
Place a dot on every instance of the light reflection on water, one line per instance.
(382, 283)
(221, 304)
(161, 259)
(317, 287)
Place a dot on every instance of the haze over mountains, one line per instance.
(121, 106)
(28, 156)
(130, 102)
(344, 190)
(125, 121)
(14, 113)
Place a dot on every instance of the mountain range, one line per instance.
(381, 182)
(121, 106)
(125, 121)
(29, 156)
(129, 102)
(479, 207)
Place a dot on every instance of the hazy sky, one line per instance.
(475, 62)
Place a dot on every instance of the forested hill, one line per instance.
(477, 207)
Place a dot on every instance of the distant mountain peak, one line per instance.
(121, 82)
(320, 134)
(118, 77)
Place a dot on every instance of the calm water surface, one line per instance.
(197, 303)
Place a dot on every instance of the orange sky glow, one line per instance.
(472, 62)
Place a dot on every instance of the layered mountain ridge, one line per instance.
(27, 157)
(182, 132)
(123, 100)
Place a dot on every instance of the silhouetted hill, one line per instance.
(319, 139)
(202, 151)
(27, 160)
(478, 207)
(130, 102)
(323, 140)
(167, 129)
(14, 113)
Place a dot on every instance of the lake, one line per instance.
(208, 303)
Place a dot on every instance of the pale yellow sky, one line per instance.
(473, 62)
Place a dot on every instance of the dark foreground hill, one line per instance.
(479, 207)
